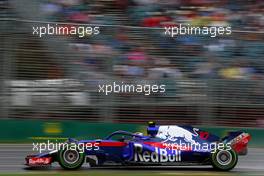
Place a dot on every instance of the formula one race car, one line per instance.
(164, 146)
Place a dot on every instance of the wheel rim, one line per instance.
(224, 157)
(71, 156)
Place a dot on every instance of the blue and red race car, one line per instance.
(164, 145)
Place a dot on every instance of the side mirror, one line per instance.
(98, 140)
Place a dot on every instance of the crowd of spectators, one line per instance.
(132, 46)
(146, 53)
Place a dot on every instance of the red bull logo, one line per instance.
(172, 133)
(160, 155)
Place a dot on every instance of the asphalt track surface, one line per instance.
(12, 161)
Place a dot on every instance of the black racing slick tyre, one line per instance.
(70, 158)
(224, 160)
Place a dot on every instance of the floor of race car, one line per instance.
(12, 163)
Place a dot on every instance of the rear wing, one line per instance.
(238, 140)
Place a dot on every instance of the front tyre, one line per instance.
(224, 159)
(70, 159)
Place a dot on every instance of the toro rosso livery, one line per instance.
(164, 145)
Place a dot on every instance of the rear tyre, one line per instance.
(70, 158)
(224, 159)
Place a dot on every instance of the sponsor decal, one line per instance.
(203, 135)
(35, 161)
(159, 155)
(172, 133)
